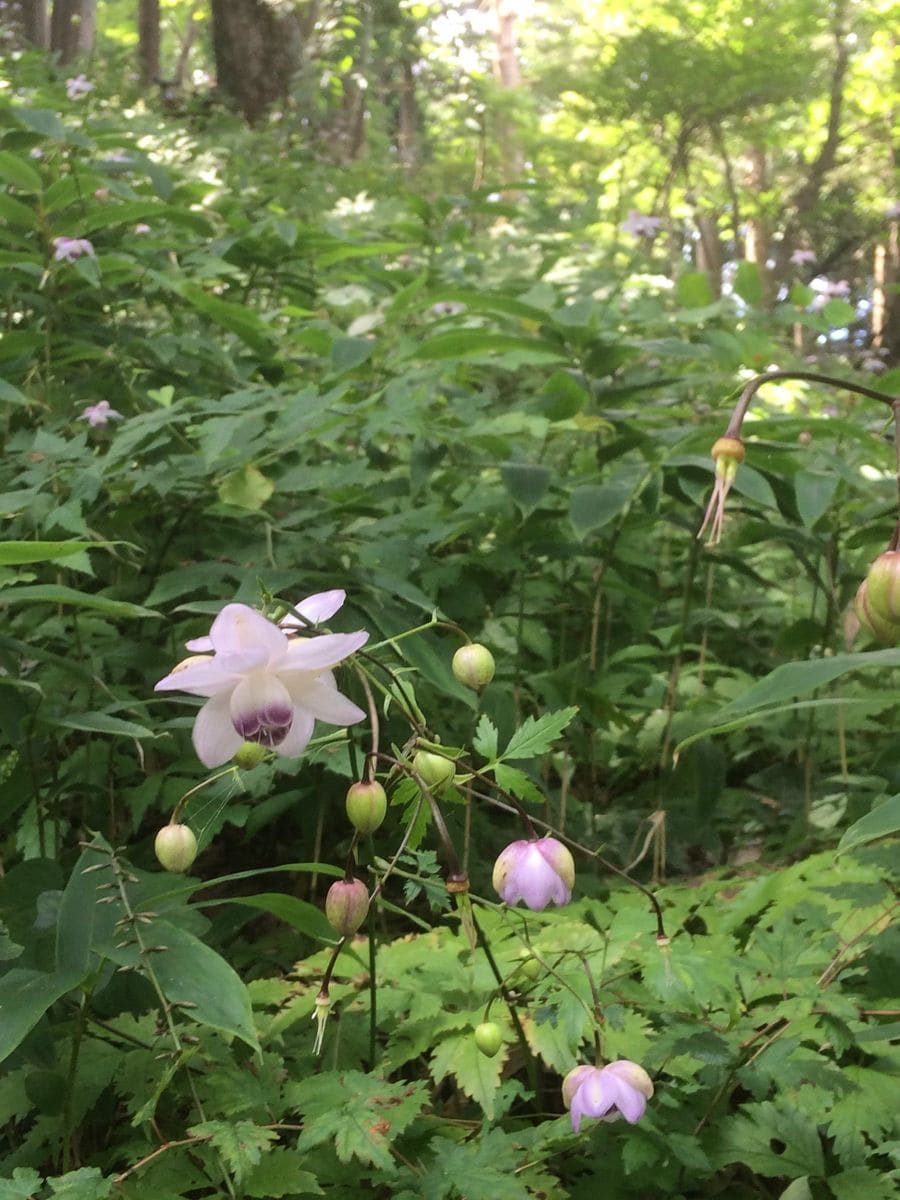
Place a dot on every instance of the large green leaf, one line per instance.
(13, 554)
(15, 170)
(882, 821)
(466, 343)
(25, 996)
(53, 593)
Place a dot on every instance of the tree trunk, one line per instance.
(148, 41)
(508, 75)
(72, 28)
(709, 252)
(757, 242)
(886, 299)
(256, 52)
(36, 22)
(408, 116)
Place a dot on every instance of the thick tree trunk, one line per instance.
(256, 52)
(36, 22)
(72, 28)
(148, 41)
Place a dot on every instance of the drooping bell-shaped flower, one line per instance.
(621, 1088)
(540, 872)
(728, 454)
(262, 686)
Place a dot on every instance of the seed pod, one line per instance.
(434, 770)
(175, 847)
(873, 622)
(249, 755)
(883, 585)
(346, 905)
(474, 665)
(366, 805)
(488, 1038)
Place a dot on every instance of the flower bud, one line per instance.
(249, 755)
(620, 1089)
(728, 448)
(175, 847)
(540, 872)
(531, 967)
(474, 665)
(488, 1038)
(366, 805)
(883, 584)
(433, 769)
(346, 905)
(873, 622)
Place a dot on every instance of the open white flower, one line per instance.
(262, 686)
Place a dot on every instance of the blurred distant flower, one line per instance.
(448, 308)
(99, 414)
(261, 686)
(79, 85)
(873, 363)
(894, 210)
(35, 152)
(830, 287)
(799, 257)
(117, 156)
(621, 1088)
(141, 227)
(640, 225)
(540, 872)
(101, 193)
(67, 249)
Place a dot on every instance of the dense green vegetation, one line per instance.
(470, 378)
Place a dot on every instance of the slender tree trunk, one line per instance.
(36, 22)
(709, 252)
(757, 241)
(408, 116)
(886, 298)
(509, 76)
(148, 41)
(256, 51)
(72, 28)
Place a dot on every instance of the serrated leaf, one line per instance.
(24, 1183)
(87, 1183)
(772, 1140)
(860, 1183)
(485, 739)
(535, 737)
(517, 782)
(476, 1075)
(241, 1143)
(868, 1109)
(246, 488)
(481, 1169)
(280, 1174)
(359, 1113)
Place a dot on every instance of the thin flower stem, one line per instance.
(372, 756)
(746, 397)
(530, 1065)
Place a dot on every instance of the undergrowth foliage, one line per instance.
(495, 458)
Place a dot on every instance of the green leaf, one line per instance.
(747, 282)
(476, 1075)
(246, 488)
(299, 914)
(241, 1143)
(16, 171)
(241, 321)
(485, 739)
(87, 1183)
(50, 593)
(861, 1183)
(25, 996)
(469, 343)
(97, 722)
(14, 212)
(537, 736)
(13, 554)
(280, 1174)
(12, 395)
(483, 1168)
(797, 678)
(516, 781)
(594, 505)
(693, 290)
(772, 1140)
(41, 120)
(359, 1114)
(838, 313)
(526, 483)
(814, 492)
(24, 1183)
(880, 822)
(350, 352)
(798, 1190)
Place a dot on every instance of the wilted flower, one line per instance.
(99, 414)
(66, 249)
(799, 257)
(262, 686)
(540, 872)
(728, 454)
(640, 225)
(621, 1088)
(78, 86)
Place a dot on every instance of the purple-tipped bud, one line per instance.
(175, 847)
(540, 872)
(346, 905)
(249, 755)
(882, 629)
(883, 586)
(620, 1089)
(488, 1038)
(433, 769)
(474, 665)
(366, 805)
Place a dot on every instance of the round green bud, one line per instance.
(433, 769)
(366, 805)
(871, 620)
(488, 1038)
(883, 585)
(175, 847)
(530, 967)
(249, 755)
(474, 665)
(346, 905)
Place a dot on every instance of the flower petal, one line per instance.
(317, 653)
(215, 738)
(205, 676)
(315, 609)
(323, 701)
(261, 709)
(629, 1101)
(297, 736)
(239, 627)
(200, 645)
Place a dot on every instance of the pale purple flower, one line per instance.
(829, 287)
(621, 1088)
(79, 85)
(448, 308)
(117, 156)
(99, 414)
(141, 227)
(66, 249)
(35, 152)
(893, 211)
(640, 225)
(540, 872)
(799, 257)
(262, 686)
